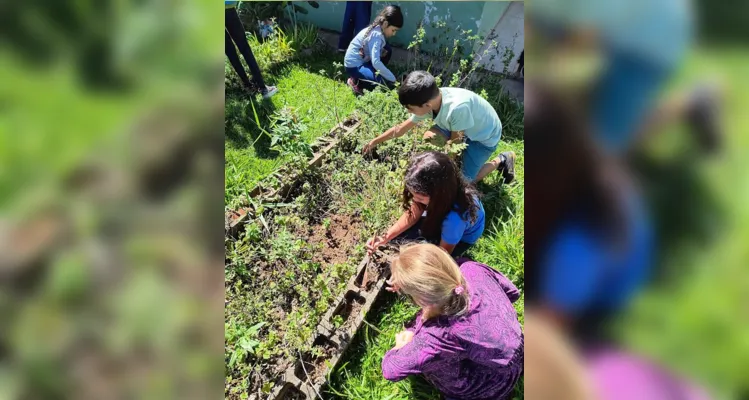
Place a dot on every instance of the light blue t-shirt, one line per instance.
(372, 43)
(457, 228)
(463, 110)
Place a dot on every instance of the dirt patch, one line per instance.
(349, 310)
(377, 267)
(338, 238)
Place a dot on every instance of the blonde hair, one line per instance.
(431, 277)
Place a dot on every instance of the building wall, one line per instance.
(477, 16)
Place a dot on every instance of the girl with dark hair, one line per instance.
(588, 240)
(369, 52)
(434, 188)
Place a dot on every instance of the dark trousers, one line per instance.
(356, 17)
(234, 33)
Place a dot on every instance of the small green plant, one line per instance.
(286, 136)
(326, 223)
(337, 321)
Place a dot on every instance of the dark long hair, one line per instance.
(435, 175)
(566, 175)
(391, 14)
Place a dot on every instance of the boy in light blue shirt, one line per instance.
(456, 113)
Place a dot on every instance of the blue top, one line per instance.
(583, 272)
(457, 228)
(230, 4)
(372, 45)
(464, 110)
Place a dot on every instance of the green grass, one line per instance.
(693, 319)
(307, 84)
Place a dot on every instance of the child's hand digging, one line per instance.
(369, 146)
(375, 242)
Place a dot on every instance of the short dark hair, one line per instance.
(417, 89)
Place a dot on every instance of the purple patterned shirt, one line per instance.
(478, 355)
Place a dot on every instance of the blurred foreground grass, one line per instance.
(110, 182)
(694, 317)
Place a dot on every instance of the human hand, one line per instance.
(369, 146)
(375, 242)
(392, 286)
(403, 338)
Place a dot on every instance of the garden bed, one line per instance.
(292, 272)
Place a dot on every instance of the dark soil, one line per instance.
(315, 368)
(378, 266)
(354, 308)
(338, 239)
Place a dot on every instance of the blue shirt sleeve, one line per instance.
(453, 228)
(375, 48)
(572, 270)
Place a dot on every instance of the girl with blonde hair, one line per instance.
(466, 340)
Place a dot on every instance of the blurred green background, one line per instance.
(111, 199)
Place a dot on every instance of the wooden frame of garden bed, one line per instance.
(295, 381)
(234, 220)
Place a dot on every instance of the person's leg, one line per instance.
(362, 15)
(347, 28)
(236, 31)
(505, 162)
(236, 64)
(368, 76)
(474, 158)
(353, 80)
(437, 136)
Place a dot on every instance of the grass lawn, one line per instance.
(316, 99)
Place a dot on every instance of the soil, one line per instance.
(342, 236)
(315, 368)
(354, 308)
(378, 265)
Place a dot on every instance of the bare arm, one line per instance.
(407, 220)
(448, 247)
(394, 132)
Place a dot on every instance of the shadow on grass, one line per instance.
(240, 126)
(498, 205)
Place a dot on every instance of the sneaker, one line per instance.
(703, 116)
(507, 166)
(354, 87)
(269, 91)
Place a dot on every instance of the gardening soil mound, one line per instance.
(338, 238)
